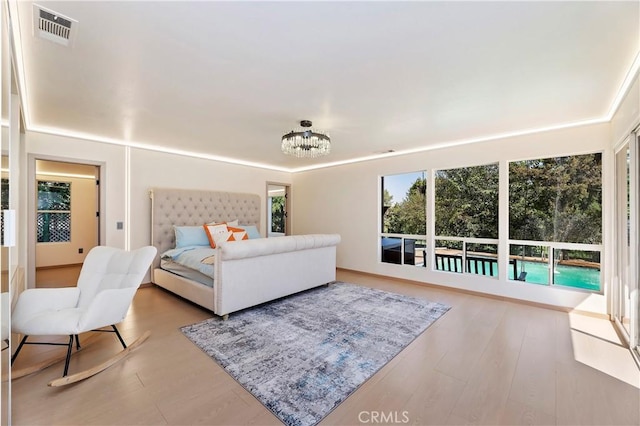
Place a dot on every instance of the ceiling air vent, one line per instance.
(53, 26)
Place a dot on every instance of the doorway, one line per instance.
(278, 202)
(66, 220)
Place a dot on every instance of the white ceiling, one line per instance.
(229, 78)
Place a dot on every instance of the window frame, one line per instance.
(403, 237)
(555, 245)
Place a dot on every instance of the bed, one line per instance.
(243, 273)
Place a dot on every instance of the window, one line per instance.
(466, 222)
(54, 212)
(404, 217)
(555, 220)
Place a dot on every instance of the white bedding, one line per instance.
(198, 258)
(185, 272)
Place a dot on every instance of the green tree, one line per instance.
(556, 199)
(409, 215)
(466, 202)
(55, 196)
(277, 214)
(387, 198)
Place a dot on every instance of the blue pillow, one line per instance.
(191, 236)
(252, 231)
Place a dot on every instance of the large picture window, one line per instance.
(555, 220)
(54, 212)
(403, 227)
(466, 220)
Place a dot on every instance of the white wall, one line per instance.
(628, 115)
(112, 157)
(156, 169)
(345, 199)
(130, 173)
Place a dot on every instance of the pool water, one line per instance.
(538, 273)
(570, 276)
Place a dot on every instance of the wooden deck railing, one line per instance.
(482, 265)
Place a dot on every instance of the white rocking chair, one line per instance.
(107, 284)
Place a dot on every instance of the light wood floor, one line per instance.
(484, 362)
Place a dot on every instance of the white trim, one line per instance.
(127, 198)
(621, 143)
(31, 219)
(32, 207)
(69, 175)
(149, 147)
(469, 239)
(9, 221)
(624, 88)
(450, 144)
(503, 220)
(18, 59)
(634, 255)
(558, 245)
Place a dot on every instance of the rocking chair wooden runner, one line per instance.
(107, 284)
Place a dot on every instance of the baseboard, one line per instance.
(71, 265)
(480, 294)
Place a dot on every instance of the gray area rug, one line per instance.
(303, 355)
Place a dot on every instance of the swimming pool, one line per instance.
(570, 276)
(538, 273)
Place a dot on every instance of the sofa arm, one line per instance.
(267, 246)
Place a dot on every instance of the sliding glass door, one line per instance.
(625, 291)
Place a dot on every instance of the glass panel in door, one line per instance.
(623, 219)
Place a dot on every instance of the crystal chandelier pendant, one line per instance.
(306, 142)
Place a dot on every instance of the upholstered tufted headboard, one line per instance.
(185, 207)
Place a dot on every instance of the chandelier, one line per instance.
(306, 142)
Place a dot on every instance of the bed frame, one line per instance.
(249, 272)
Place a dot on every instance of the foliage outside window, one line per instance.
(466, 207)
(54, 212)
(278, 214)
(466, 202)
(557, 201)
(407, 215)
(404, 219)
